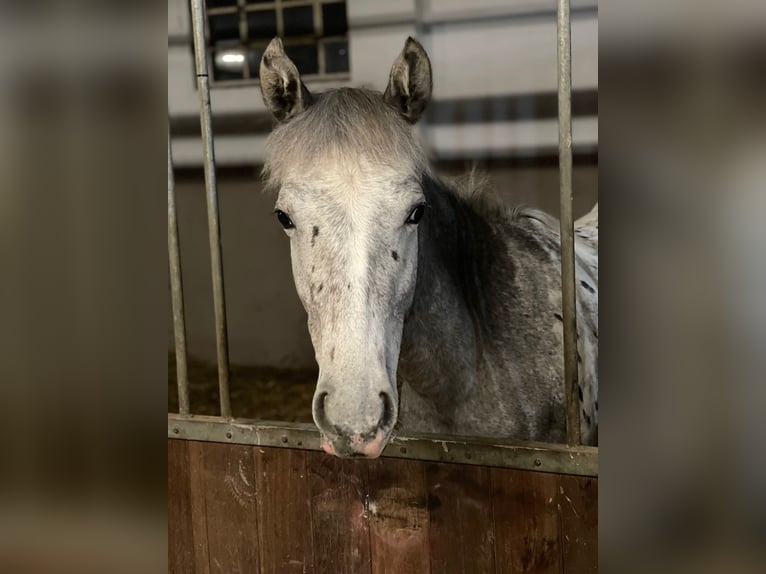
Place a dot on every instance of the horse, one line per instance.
(431, 307)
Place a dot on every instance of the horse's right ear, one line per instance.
(283, 92)
(409, 85)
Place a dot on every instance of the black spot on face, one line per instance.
(579, 390)
(587, 287)
(579, 358)
(321, 286)
(585, 416)
(314, 233)
(559, 317)
(349, 286)
(395, 255)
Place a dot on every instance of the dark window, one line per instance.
(314, 33)
(305, 57)
(334, 19)
(262, 24)
(220, 3)
(224, 27)
(254, 60)
(336, 57)
(299, 21)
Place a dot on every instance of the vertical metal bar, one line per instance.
(567, 224)
(214, 233)
(177, 291)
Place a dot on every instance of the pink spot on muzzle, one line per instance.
(370, 449)
(327, 447)
(373, 448)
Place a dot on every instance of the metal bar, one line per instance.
(213, 220)
(568, 301)
(177, 291)
(542, 457)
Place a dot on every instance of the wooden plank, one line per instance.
(196, 457)
(461, 529)
(527, 530)
(284, 510)
(578, 509)
(398, 513)
(339, 525)
(229, 491)
(180, 539)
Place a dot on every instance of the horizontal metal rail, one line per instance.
(176, 290)
(543, 457)
(568, 300)
(213, 218)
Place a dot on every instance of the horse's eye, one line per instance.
(416, 215)
(284, 219)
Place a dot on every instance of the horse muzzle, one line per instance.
(356, 445)
(359, 438)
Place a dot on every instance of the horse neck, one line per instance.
(450, 317)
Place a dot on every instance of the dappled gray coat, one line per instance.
(431, 307)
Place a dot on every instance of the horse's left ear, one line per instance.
(409, 85)
(283, 92)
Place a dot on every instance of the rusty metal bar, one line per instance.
(213, 220)
(541, 457)
(177, 291)
(568, 301)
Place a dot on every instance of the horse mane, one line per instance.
(475, 188)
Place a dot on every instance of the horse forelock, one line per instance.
(342, 130)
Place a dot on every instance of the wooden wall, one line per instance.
(249, 509)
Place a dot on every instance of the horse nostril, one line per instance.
(387, 420)
(320, 418)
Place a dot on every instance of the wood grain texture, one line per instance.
(197, 475)
(229, 490)
(284, 511)
(397, 511)
(578, 509)
(180, 538)
(340, 528)
(462, 536)
(527, 532)
(245, 509)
